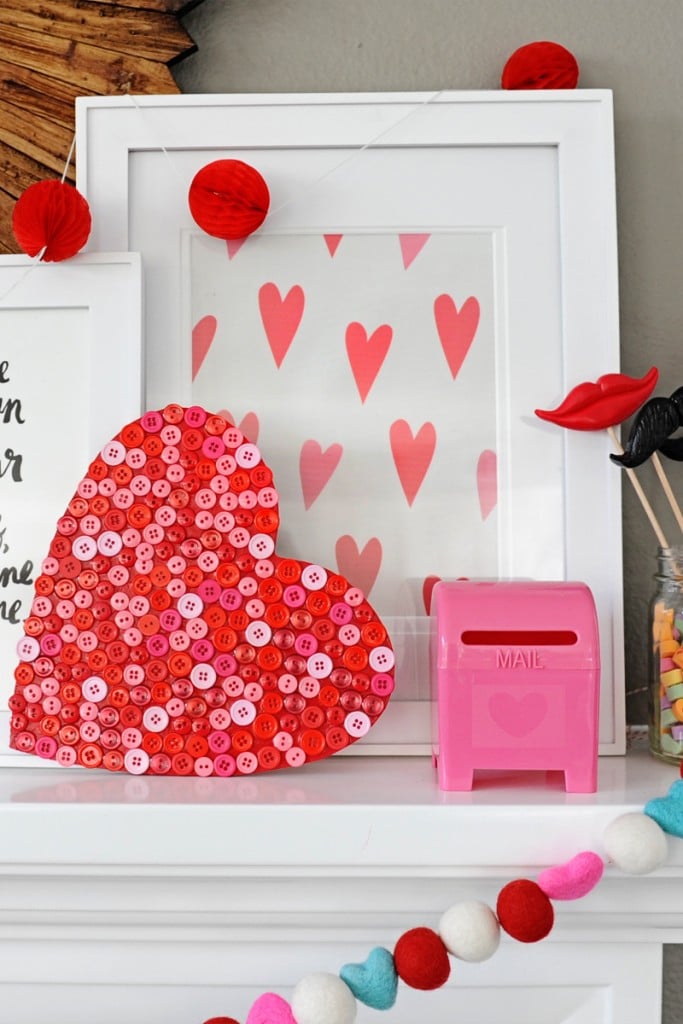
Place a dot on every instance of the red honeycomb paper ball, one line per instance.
(228, 199)
(51, 215)
(221, 1020)
(524, 911)
(541, 65)
(421, 959)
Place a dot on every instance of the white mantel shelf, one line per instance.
(169, 901)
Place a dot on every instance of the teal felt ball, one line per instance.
(374, 982)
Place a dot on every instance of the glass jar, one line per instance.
(665, 726)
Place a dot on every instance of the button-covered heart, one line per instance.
(166, 636)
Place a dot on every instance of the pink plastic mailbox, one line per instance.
(516, 679)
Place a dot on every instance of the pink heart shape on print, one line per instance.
(412, 455)
(573, 880)
(517, 716)
(249, 424)
(359, 567)
(203, 333)
(270, 1009)
(316, 467)
(487, 482)
(366, 354)
(281, 317)
(456, 329)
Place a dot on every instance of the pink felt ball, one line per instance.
(228, 199)
(51, 215)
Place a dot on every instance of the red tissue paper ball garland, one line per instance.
(541, 65)
(635, 842)
(228, 199)
(54, 216)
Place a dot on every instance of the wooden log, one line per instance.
(7, 241)
(154, 36)
(86, 67)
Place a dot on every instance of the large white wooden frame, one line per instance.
(97, 300)
(388, 162)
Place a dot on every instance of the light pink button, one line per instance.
(219, 484)
(233, 686)
(84, 548)
(109, 543)
(239, 537)
(170, 434)
(132, 637)
(131, 537)
(253, 692)
(204, 519)
(52, 705)
(203, 767)
(140, 486)
(28, 648)
(134, 675)
(242, 712)
(247, 456)
(246, 762)
(314, 577)
(349, 634)
(136, 458)
(155, 719)
(171, 455)
(83, 598)
(114, 453)
(267, 497)
(233, 436)
(161, 488)
(283, 741)
(357, 723)
(95, 689)
(136, 761)
(123, 498)
(176, 588)
(382, 659)
(175, 472)
(90, 525)
(119, 576)
(309, 687)
(247, 586)
(255, 608)
(42, 606)
(319, 665)
(190, 605)
(179, 640)
(90, 732)
(247, 499)
(87, 488)
(264, 568)
(219, 719)
(196, 629)
(258, 633)
(107, 487)
(153, 533)
(175, 707)
(66, 756)
(354, 597)
(287, 683)
(203, 676)
(208, 561)
(88, 711)
(226, 465)
(295, 757)
(261, 545)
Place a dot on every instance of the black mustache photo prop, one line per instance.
(651, 430)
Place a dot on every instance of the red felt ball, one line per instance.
(421, 959)
(541, 65)
(524, 911)
(228, 199)
(54, 215)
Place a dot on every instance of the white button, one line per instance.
(261, 545)
(319, 665)
(190, 606)
(203, 676)
(258, 633)
(95, 689)
(113, 453)
(84, 548)
(357, 723)
(314, 577)
(242, 712)
(136, 761)
(155, 719)
(382, 659)
(247, 456)
(109, 543)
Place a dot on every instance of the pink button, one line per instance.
(203, 676)
(309, 687)
(131, 738)
(218, 742)
(113, 453)
(233, 437)
(196, 629)
(354, 597)
(155, 719)
(253, 692)
(247, 499)
(90, 732)
(175, 707)
(306, 644)
(140, 485)
(136, 761)
(246, 762)
(224, 765)
(381, 659)
(233, 686)
(46, 747)
(230, 599)
(247, 456)
(152, 422)
(209, 591)
(226, 465)
(179, 640)
(357, 723)
(52, 705)
(169, 620)
(295, 757)
(66, 756)
(294, 596)
(349, 634)
(319, 665)
(264, 568)
(134, 675)
(239, 537)
(88, 711)
(283, 741)
(119, 576)
(314, 577)
(382, 684)
(50, 644)
(28, 648)
(213, 447)
(195, 416)
(202, 650)
(287, 683)
(91, 525)
(95, 689)
(157, 645)
(267, 497)
(136, 458)
(171, 434)
(225, 665)
(203, 767)
(247, 586)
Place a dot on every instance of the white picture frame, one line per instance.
(71, 362)
(534, 170)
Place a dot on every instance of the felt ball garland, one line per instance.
(635, 842)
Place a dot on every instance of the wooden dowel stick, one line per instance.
(666, 486)
(654, 523)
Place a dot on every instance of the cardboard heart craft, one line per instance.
(167, 636)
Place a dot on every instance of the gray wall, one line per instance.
(630, 46)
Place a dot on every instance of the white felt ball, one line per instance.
(635, 843)
(470, 931)
(323, 999)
